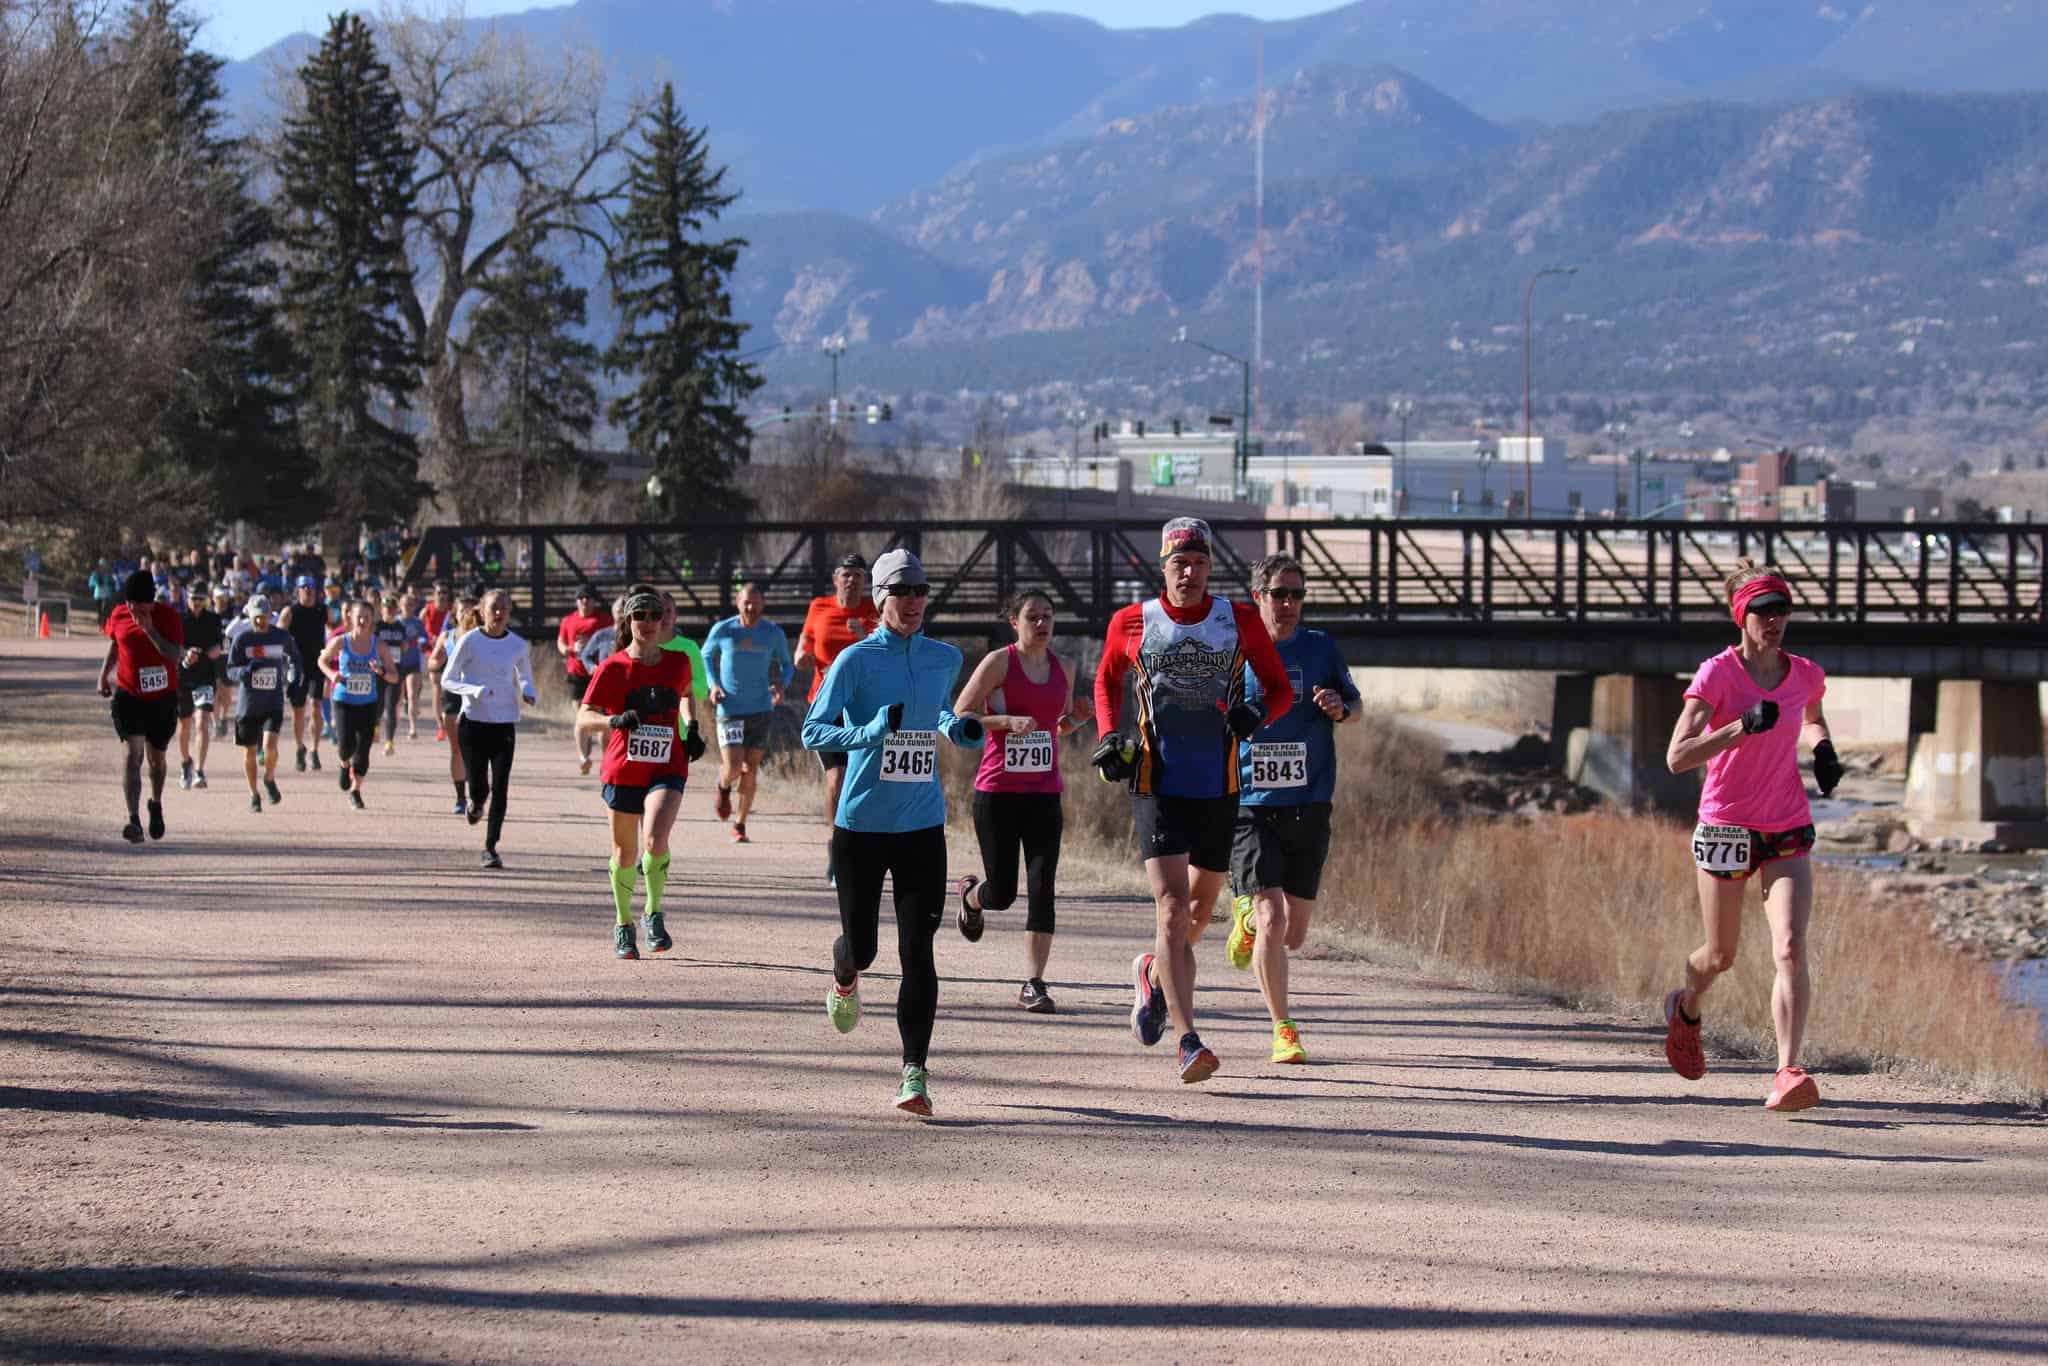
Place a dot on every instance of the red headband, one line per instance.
(1754, 589)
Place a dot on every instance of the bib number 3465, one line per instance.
(910, 756)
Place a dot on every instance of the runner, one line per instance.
(356, 665)
(883, 704)
(491, 671)
(434, 617)
(832, 623)
(639, 700)
(575, 632)
(1754, 819)
(1287, 772)
(264, 661)
(604, 643)
(144, 640)
(747, 661)
(196, 674)
(306, 619)
(462, 618)
(1170, 703)
(412, 659)
(1025, 697)
(393, 634)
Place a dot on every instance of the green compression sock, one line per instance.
(656, 868)
(622, 890)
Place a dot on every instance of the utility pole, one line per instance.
(1528, 409)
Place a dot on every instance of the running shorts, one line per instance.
(1199, 827)
(1733, 853)
(829, 759)
(632, 801)
(578, 684)
(192, 700)
(305, 688)
(1280, 846)
(451, 704)
(250, 730)
(154, 719)
(748, 732)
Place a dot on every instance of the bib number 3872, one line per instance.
(1722, 848)
(910, 756)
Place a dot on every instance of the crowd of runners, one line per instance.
(1219, 717)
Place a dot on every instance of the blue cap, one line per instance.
(306, 581)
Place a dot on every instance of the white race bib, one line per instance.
(1722, 848)
(359, 685)
(153, 677)
(202, 697)
(264, 679)
(1030, 753)
(910, 756)
(1280, 765)
(732, 734)
(650, 744)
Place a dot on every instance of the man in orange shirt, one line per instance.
(834, 622)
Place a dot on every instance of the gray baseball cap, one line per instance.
(896, 566)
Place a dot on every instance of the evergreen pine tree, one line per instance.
(542, 371)
(346, 173)
(676, 330)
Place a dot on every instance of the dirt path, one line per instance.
(309, 1087)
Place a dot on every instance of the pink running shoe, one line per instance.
(1682, 1040)
(1791, 1090)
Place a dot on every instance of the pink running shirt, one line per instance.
(1755, 783)
(1026, 763)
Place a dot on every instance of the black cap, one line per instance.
(851, 561)
(586, 591)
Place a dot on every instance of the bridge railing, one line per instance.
(1362, 575)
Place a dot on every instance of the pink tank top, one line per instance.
(1030, 762)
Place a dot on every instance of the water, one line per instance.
(2027, 983)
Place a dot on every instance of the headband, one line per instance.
(1757, 588)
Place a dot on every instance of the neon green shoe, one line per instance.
(915, 1098)
(842, 1006)
(1287, 1043)
(1243, 933)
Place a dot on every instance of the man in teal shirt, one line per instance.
(748, 661)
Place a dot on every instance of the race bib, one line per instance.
(153, 677)
(732, 734)
(1030, 753)
(359, 685)
(1722, 848)
(650, 744)
(910, 756)
(1280, 765)
(202, 697)
(264, 679)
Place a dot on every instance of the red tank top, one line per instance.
(1031, 762)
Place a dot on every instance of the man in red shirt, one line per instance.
(144, 641)
(1170, 702)
(578, 627)
(832, 623)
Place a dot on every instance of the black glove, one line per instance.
(971, 730)
(895, 716)
(1244, 720)
(1115, 758)
(1760, 717)
(625, 720)
(693, 742)
(1827, 769)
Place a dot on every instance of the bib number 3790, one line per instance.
(1030, 753)
(910, 756)
(1721, 848)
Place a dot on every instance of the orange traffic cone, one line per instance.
(43, 627)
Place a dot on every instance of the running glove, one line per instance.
(1115, 758)
(895, 716)
(1827, 769)
(625, 720)
(1760, 717)
(693, 742)
(1245, 719)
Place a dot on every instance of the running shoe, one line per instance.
(970, 916)
(915, 1097)
(1682, 1039)
(391, 747)
(302, 759)
(1243, 933)
(657, 934)
(440, 733)
(462, 806)
(314, 758)
(412, 732)
(475, 812)
(156, 820)
(1196, 1062)
(132, 832)
(355, 799)
(622, 943)
(1032, 996)
(185, 775)
(1148, 1016)
(255, 803)
(842, 1006)
(586, 764)
(721, 804)
(1287, 1043)
(199, 778)
(270, 786)
(1792, 1090)
(739, 835)
(343, 777)
(489, 859)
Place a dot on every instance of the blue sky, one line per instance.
(237, 28)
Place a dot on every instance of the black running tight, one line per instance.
(1003, 821)
(355, 728)
(915, 862)
(487, 758)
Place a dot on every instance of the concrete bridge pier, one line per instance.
(1978, 772)
(1614, 729)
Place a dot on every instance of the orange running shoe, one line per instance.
(1792, 1089)
(739, 835)
(1682, 1039)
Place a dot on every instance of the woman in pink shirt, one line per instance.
(1754, 820)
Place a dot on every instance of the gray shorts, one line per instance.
(749, 732)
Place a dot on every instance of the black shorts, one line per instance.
(306, 688)
(753, 730)
(1280, 846)
(250, 730)
(829, 759)
(155, 719)
(578, 684)
(192, 700)
(1199, 827)
(451, 704)
(633, 800)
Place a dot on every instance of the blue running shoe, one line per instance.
(1148, 1016)
(1196, 1062)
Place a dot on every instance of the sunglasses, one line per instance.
(1287, 594)
(908, 590)
(645, 614)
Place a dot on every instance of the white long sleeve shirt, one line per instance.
(490, 674)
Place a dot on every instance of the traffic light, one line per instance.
(888, 413)
(1176, 426)
(1141, 429)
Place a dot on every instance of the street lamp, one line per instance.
(1244, 435)
(1403, 408)
(835, 347)
(1528, 412)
